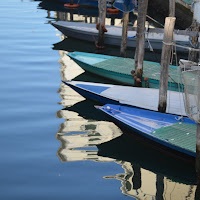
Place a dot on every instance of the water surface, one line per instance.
(53, 143)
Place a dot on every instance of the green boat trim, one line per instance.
(179, 134)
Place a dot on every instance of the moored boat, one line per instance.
(146, 98)
(88, 32)
(119, 69)
(165, 129)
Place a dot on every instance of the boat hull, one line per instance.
(88, 32)
(122, 76)
(124, 124)
(146, 98)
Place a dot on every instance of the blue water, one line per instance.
(39, 159)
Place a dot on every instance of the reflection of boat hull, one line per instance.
(88, 32)
(158, 127)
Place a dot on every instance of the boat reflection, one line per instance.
(86, 134)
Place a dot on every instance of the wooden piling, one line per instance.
(124, 35)
(193, 55)
(165, 61)
(101, 24)
(140, 41)
(172, 8)
(198, 152)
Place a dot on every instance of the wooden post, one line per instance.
(193, 55)
(124, 35)
(165, 60)
(101, 24)
(140, 41)
(198, 137)
(172, 8)
(198, 152)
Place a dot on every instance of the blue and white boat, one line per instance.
(146, 98)
(166, 129)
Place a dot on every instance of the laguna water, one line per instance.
(53, 143)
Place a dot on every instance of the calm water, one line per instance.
(53, 143)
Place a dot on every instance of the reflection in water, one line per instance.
(86, 135)
(144, 184)
(77, 134)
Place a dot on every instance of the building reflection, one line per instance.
(86, 135)
(140, 183)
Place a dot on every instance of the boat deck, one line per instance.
(150, 69)
(179, 134)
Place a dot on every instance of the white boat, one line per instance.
(88, 32)
(146, 98)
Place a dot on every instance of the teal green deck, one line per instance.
(179, 134)
(119, 69)
(150, 69)
(188, 1)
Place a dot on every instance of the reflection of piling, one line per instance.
(165, 60)
(137, 177)
(159, 186)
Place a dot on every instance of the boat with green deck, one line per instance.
(119, 69)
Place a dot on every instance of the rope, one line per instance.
(181, 46)
(155, 20)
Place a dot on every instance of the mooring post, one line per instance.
(165, 60)
(101, 23)
(198, 152)
(172, 8)
(140, 41)
(124, 34)
(193, 55)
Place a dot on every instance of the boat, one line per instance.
(165, 129)
(146, 98)
(119, 69)
(88, 32)
(86, 8)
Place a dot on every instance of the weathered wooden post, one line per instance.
(165, 60)
(193, 55)
(172, 8)
(101, 23)
(124, 34)
(140, 41)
